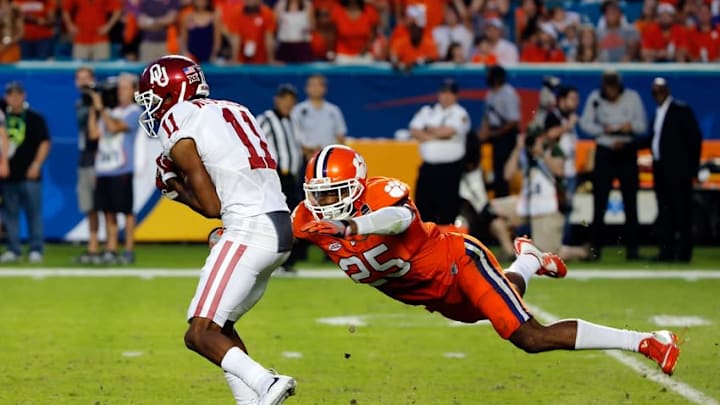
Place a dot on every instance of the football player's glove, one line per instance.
(165, 170)
(331, 227)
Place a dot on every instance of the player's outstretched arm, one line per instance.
(198, 191)
(385, 221)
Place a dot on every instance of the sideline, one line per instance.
(644, 368)
(147, 273)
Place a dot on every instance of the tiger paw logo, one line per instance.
(396, 189)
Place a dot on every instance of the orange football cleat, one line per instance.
(551, 265)
(663, 348)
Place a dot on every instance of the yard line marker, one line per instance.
(149, 273)
(292, 355)
(643, 368)
(679, 321)
(133, 353)
(342, 321)
(454, 355)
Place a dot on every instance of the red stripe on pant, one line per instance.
(224, 281)
(211, 279)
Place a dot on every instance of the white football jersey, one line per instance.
(234, 151)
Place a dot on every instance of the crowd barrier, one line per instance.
(375, 100)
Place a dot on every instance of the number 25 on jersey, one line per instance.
(369, 269)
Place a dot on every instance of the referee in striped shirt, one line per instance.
(284, 139)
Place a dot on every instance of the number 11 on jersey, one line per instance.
(256, 161)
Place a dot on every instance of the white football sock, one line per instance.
(238, 363)
(525, 266)
(591, 336)
(243, 394)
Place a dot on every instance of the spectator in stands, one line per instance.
(12, 29)
(665, 40)
(434, 10)
(441, 130)
(455, 54)
(528, 13)
(252, 33)
(355, 26)
(687, 12)
(505, 51)
(295, 23)
(480, 10)
(154, 18)
(500, 124)
(89, 23)
(615, 116)
(482, 52)
(588, 49)
(541, 46)
(284, 139)
(116, 126)
(647, 16)
(452, 31)
(39, 17)
(704, 38)
(560, 19)
(85, 83)
(413, 45)
(675, 144)
(323, 37)
(199, 34)
(130, 48)
(29, 145)
(618, 40)
(569, 42)
(321, 122)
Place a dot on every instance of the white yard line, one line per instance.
(42, 272)
(644, 368)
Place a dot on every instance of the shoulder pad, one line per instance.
(385, 192)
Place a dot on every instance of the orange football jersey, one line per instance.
(414, 267)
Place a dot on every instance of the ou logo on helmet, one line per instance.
(158, 75)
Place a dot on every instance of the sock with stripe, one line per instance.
(243, 394)
(592, 336)
(525, 266)
(239, 364)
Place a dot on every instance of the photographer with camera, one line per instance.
(113, 120)
(615, 116)
(85, 188)
(541, 163)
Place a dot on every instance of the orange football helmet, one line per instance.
(335, 180)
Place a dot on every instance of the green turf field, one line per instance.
(118, 340)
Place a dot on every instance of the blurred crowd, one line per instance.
(406, 33)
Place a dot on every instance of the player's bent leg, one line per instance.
(535, 338)
(660, 346)
(488, 292)
(205, 338)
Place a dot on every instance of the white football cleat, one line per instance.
(551, 265)
(282, 388)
